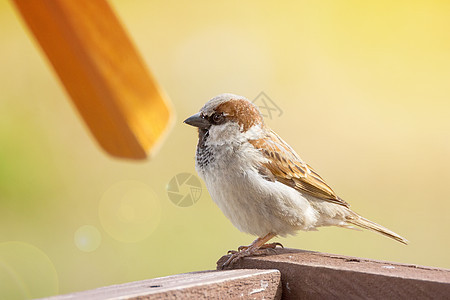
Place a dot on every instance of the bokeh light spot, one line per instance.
(26, 272)
(129, 211)
(87, 238)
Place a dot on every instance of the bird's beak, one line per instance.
(198, 121)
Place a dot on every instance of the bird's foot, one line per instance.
(255, 249)
(237, 255)
(270, 246)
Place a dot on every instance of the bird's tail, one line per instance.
(362, 222)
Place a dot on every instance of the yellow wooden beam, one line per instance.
(102, 71)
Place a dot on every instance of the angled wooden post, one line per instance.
(102, 72)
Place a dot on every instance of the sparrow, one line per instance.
(259, 182)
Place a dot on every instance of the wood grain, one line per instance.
(233, 284)
(313, 275)
(102, 72)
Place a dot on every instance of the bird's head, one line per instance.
(228, 118)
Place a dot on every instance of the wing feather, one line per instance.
(288, 168)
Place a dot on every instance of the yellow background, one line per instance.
(364, 87)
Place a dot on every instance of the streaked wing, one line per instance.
(288, 168)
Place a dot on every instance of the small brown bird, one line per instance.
(259, 182)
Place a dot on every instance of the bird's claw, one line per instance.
(265, 246)
(271, 246)
(235, 256)
(245, 251)
(240, 249)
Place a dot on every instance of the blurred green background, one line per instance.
(364, 88)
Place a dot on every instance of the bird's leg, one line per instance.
(253, 249)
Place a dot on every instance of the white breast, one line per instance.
(252, 203)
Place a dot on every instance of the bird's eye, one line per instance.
(217, 118)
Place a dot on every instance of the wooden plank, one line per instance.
(232, 284)
(313, 275)
(101, 70)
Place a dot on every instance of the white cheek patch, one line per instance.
(226, 133)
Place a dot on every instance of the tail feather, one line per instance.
(362, 222)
